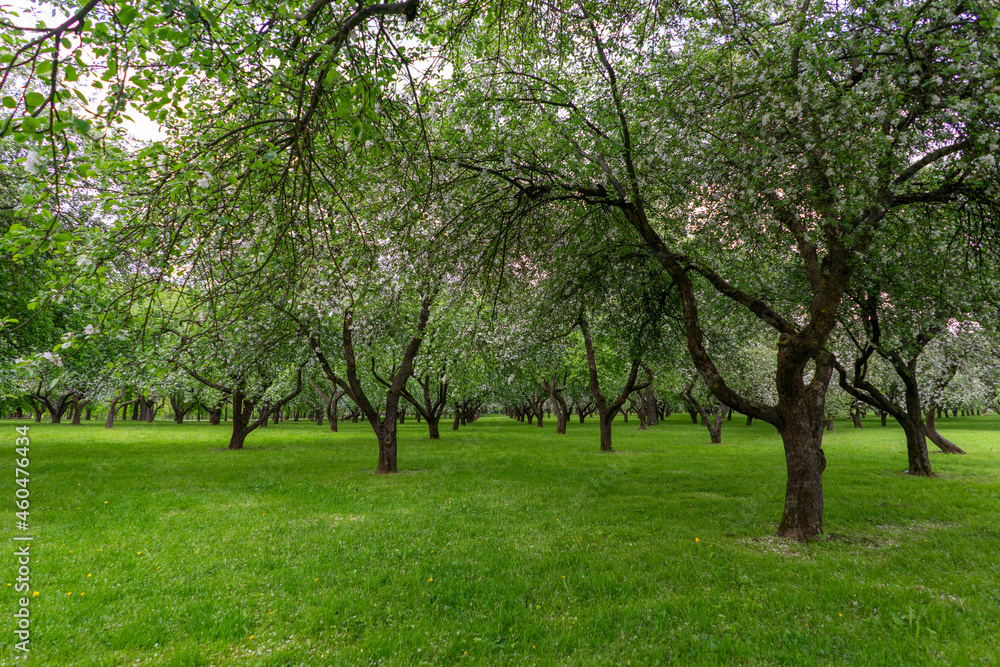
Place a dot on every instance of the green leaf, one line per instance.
(82, 125)
(9, 102)
(34, 100)
(127, 15)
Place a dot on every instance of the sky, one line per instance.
(141, 128)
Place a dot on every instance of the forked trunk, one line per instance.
(943, 443)
(432, 428)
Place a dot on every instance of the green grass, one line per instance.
(502, 544)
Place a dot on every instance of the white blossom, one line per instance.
(32, 161)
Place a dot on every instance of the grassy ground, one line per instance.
(500, 544)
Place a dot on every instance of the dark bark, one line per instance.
(719, 411)
(244, 406)
(56, 407)
(180, 411)
(383, 426)
(331, 401)
(856, 416)
(693, 414)
(944, 444)
(652, 409)
(78, 407)
(214, 415)
(427, 407)
(749, 420)
(557, 402)
(606, 411)
(909, 417)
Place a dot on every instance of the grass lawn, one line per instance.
(501, 544)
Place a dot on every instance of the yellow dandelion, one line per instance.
(697, 540)
(430, 579)
(841, 615)
(252, 636)
(138, 552)
(88, 576)
(317, 578)
(105, 502)
(82, 593)
(35, 594)
(69, 593)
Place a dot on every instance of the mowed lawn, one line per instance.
(500, 544)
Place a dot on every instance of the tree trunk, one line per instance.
(856, 417)
(386, 448)
(749, 420)
(77, 412)
(913, 425)
(652, 410)
(432, 428)
(242, 414)
(916, 447)
(605, 421)
(715, 427)
(113, 410)
(805, 462)
(884, 416)
(944, 444)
